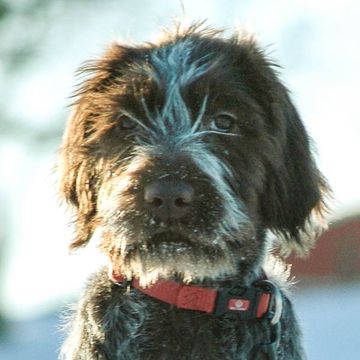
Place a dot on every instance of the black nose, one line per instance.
(168, 200)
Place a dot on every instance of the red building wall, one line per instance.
(336, 255)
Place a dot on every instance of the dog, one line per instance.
(184, 156)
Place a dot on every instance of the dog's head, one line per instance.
(183, 153)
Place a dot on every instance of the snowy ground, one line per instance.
(330, 319)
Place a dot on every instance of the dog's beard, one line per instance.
(187, 257)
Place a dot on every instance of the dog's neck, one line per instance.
(254, 301)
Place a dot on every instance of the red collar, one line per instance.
(251, 302)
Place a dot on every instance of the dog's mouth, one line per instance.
(169, 238)
(169, 253)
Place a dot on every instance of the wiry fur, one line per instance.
(149, 113)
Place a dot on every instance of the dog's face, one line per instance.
(183, 154)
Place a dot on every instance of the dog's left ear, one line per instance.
(292, 203)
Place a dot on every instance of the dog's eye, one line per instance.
(126, 123)
(223, 122)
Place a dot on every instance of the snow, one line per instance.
(37, 339)
(330, 319)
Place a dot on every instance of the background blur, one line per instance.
(41, 45)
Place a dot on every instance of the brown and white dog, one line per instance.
(184, 154)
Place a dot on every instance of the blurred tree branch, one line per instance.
(24, 27)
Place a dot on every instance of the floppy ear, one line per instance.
(77, 182)
(293, 202)
(294, 191)
(79, 163)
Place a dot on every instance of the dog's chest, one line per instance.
(153, 330)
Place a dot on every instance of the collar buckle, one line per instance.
(241, 300)
(261, 300)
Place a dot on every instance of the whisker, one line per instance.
(200, 116)
(207, 132)
(137, 120)
(155, 121)
(147, 111)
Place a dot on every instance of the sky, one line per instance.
(316, 42)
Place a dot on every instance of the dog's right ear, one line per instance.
(77, 186)
(80, 165)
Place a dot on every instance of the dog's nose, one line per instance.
(168, 200)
